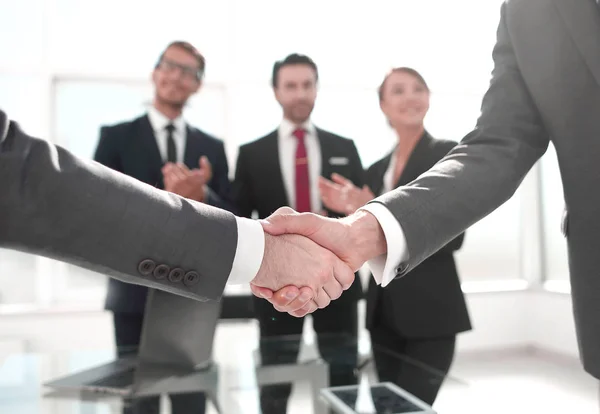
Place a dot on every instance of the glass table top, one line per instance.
(243, 367)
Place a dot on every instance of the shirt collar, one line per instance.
(159, 121)
(287, 128)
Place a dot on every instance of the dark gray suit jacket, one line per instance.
(545, 86)
(56, 205)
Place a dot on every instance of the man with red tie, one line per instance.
(283, 169)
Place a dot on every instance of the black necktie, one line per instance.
(171, 150)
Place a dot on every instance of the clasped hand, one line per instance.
(310, 259)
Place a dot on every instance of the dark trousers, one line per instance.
(419, 366)
(339, 319)
(128, 329)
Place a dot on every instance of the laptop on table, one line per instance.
(175, 347)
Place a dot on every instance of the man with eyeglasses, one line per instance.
(161, 149)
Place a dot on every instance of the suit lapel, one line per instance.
(378, 174)
(149, 149)
(192, 153)
(582, 19)
(326, 152)
(272, 170)
(413, 167)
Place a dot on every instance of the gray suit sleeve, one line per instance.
(480, 173)
(56, 205)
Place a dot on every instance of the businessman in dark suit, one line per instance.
(161, 149)
(282, 169)
(545, 87)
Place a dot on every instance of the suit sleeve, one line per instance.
(456, 243)
(107, 151)
(242, 193)
(78, 211)
(480, 173)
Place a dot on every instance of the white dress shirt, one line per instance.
(251, 239)
(249, 252)
(287, 144)
(159, 124)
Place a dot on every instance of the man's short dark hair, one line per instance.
(188, 47)
(293, 59)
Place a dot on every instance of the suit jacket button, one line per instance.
(146, 267)
(191, 278)
(176, 275)
(161, 271)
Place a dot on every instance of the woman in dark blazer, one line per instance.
(413, 321)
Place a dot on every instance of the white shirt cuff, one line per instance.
(384, 267)
(249, 252)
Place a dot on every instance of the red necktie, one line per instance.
(302, 181)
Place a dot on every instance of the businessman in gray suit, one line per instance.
(545, 87)
(56, 205)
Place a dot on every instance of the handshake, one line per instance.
(309, 260)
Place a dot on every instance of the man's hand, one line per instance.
(354, 239)
(188, 183)
(342, 196)
(293, 260)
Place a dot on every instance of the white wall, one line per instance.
(553, 327)
(497, 320)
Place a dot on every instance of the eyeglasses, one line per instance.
(189, 72)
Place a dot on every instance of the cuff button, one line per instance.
(176, 275)
(191, 278)
(161, 271)
(146, 267)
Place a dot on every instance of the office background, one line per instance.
(68, 66)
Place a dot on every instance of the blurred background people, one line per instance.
(415, 319)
